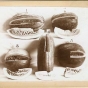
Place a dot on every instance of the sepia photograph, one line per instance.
(43, 43)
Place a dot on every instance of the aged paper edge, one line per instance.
(42, 84)
(44, 3)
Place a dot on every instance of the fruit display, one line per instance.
(17, 64)
(26, 26)
(45, 56)
(71, 55)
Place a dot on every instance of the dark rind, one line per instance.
(45, 56)
(63, 14)
(27, 21)
(16, 64)
(64, 55)
(40, 18)
(20, 59)
(65, 21)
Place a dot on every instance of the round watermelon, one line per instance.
(71, 55)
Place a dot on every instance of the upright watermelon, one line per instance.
(46, 53)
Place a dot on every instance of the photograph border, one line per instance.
(42, 84)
